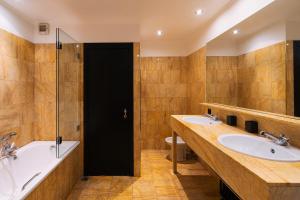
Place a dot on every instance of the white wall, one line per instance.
(232, 16)
(267, 36)
(15, 24)
(293, 30)
(93, 33)
(161, 48)
(222, 46)
(232, 45)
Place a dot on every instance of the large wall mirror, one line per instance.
(256, 65)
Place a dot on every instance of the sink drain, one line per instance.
(272, 150)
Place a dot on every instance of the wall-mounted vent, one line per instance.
(44, 28)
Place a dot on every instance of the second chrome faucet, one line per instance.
(7, 148)
(281, 140)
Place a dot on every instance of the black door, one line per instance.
(297, 78)
(108, 109)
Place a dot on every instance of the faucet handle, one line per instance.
(7, 136)
(12, 134)
(261, 133)
(282, 136)
(13, 145)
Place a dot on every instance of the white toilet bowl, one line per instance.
(181, 148)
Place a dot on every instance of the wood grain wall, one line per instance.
(221, 80)
(290, 78)
(276, 124)
(163, 92)
(137, 109)
(255, 80)
(262, 79)
(59, 183)
(170, 85)
(45, 92)
(196, 76)
(16, 87)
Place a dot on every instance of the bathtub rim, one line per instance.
(47, 171)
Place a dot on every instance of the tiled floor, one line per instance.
(157, 182)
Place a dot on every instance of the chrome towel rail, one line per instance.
(36, 175)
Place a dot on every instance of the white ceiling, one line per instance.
(268, 26)
(281, 11)
(175, 17)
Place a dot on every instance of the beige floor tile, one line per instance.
(76, 195)
(81, 184)
(122, 185)
(105, 196)
(88, 192)
(101, 184)
(116, 196)
(166, 191)
(164, 182)
(169, 198)
(102, 178)
(145, 198)
(157, 182)
(143, 189)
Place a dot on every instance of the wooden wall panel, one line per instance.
(277, 124)
(163, 92)
(170, 85)
(60, 182)
(16, 87)
(221, 79)
(262, 79)
(137, 109)
(45, 92)
(196, 84)
(255, 80)
(290, 78)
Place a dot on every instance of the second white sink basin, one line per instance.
(200, 120)
(259, 147)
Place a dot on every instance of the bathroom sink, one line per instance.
(259, 147)
(200, 120)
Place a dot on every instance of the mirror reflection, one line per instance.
(255, 65)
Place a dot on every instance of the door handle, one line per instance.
(125, 113)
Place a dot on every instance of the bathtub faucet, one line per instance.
(7, 148)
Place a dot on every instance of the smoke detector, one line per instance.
(43, 28)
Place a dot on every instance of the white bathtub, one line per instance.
(35, 161)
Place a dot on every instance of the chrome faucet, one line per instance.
(7, 149)
(281, 140)
(211, 116)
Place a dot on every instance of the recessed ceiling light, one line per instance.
(236, 31)
(199, 12)
(159, 32)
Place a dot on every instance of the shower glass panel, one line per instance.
(67, 92)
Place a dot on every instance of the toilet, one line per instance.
(181, 148)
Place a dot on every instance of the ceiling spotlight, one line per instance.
(236, 31)
(159, 32)
(199, 12)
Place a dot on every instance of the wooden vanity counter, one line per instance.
(251, 178)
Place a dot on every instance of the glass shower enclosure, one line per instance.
(68, 63)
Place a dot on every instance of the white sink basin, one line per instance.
(259, 147)
(200, 120)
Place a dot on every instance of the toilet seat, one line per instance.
(169, 140)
